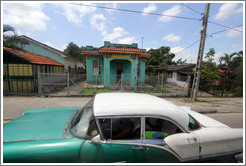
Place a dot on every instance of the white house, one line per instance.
(178, 74)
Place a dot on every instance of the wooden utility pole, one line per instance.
(197, 74)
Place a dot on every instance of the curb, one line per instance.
(203, 110)
(154, 94)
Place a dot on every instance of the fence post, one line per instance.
(96, 82)
(158, 79)
(122, 82)
(39, 85)
(161, 82)
(188, 86)
(68, 83)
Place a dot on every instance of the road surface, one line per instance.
(229, 110)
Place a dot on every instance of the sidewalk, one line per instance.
(211, 105)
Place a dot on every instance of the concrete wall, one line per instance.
(72, 63)
(174, 80)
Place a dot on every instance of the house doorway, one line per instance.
(119, 70)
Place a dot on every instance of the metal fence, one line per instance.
(79, 84)
(55, 83)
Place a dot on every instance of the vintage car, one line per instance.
(120, 127)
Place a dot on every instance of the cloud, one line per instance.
(98, 21)
(28, 16)
(174, 11)
(227, 10)
(149, 9)
(236, 45)
(75, 13)
(127, 40)
(217, 56)
(49, 44)
(63, 47)
(117, 33)
(111, 5)
(233, 33)
(172, 38)
(186, 54)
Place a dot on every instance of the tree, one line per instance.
(160, 57)
(180, 61)
(229, 63)
(10, 38)
(73, 50)
(210, 71)
(150, 69)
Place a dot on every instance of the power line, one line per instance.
(224, 26)
(192, 9)
(188, 47)
(229, 28)
(134, 11)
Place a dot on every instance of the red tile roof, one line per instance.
(124, 49)
(33, 58)
(146, 55)
(89, 51)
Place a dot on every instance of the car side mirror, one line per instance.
(96, 140)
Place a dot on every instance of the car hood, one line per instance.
(204, 120)
(38, 124)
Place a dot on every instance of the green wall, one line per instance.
(89, 63)
(39, 50)
(109, 69)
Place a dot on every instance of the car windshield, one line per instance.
(83, 124)
(193, 124)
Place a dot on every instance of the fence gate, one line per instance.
(19, 78)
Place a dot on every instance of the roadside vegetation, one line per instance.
(92, 91)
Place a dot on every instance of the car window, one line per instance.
(193, 124)
(83, 125)
(120, 128)
(157, 128)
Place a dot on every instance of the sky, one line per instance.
(58, 23)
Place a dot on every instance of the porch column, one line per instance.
(106, 72)
(134, 72)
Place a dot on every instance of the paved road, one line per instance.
(230, 110)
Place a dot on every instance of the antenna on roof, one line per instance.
(142, 41)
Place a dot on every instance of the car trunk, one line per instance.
(38, 124)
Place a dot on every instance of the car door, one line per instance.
(166, 142)
(118, 143)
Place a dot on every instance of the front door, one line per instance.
(121, 143)
(119, 70)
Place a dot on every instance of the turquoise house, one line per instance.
(107, 63)
(39, 48)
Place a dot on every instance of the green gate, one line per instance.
(20, 78)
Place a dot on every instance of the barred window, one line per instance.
(138, 69)
(97, 68)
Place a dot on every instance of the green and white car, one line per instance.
(120, 127)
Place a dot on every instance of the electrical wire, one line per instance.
(229, 28)
(134, 11)
(192, 9)
(187, 47)
(223, 26)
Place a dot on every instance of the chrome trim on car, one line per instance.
(146, 115)
(221, 154)
(239, 157)
(65, 134)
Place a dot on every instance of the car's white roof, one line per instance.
(114, 104)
